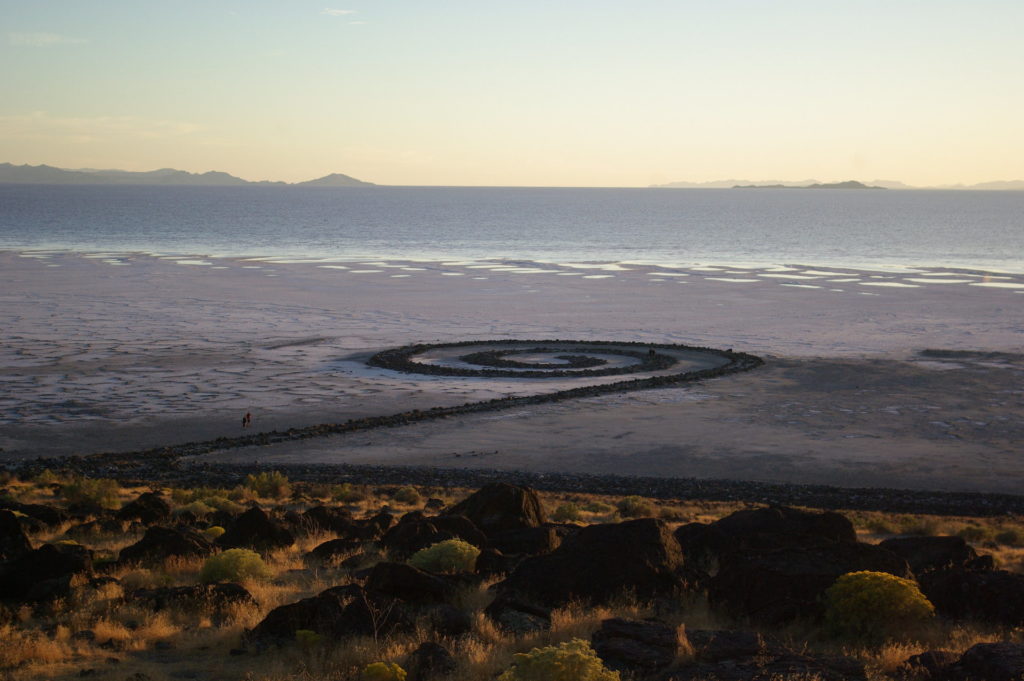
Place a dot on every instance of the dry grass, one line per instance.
(195, 642)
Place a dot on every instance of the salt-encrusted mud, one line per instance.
(131, 352)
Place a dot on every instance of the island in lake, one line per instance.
(849, 184)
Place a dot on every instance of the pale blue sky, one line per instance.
(519, 93)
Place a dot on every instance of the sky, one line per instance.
(527, 93)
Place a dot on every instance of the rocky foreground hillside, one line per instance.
(278, 580)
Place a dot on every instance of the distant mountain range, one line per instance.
(849, 184)
(999, 185)
(43, 174)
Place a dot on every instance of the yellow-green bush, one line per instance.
(450, 555)
(635, 507)
(212, 533)
(383, 671)
(573, 660)
(346, 493)
(308, 639)
(234, 565)
(197, 508)
(269, 484)
(407, 495)
(875, 605)
(93, 492)
(598, 507)
(565, 513)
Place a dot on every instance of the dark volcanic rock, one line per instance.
(787, 584)
(601, 562)
(328, 519)
(635, 646)
(461, 527)
(415, 531)
(717, 645)
(45, 573)
(785, 666)
(160, 543)
(925, 554)
(51, 517)
(149, 508)
(531, 541)
(101, 526)
(429, 661)
(13, 542)
(991, 662)
(498, 507)
(991, 596)
(493, 562)
(518, 617)
(931, 663)
(406, 538)
(408, 583)
(255, 530)
(217, 596)
(750, 656)
(447, 620)
(332, 552)
(335, 613)
(759, 530)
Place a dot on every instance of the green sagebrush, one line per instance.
(573, 660)
(234, 565)
(450, 555)
(383, 671)
(875, 605)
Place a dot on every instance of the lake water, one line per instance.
(849, 228)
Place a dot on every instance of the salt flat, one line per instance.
(110, 352)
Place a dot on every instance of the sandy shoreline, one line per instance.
(128, 351)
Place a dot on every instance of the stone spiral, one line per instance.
(555, 358)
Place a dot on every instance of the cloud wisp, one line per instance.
(338, 12)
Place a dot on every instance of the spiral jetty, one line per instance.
(568, 359)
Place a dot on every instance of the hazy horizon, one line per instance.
(577, 94)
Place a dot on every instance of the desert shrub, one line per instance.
(223, 504)
(1009, 537)
(345, 493)
(47, 477)
(269, 484)
(234, 565)
(974, 533)
(875, 605)
(880, 526)
(212, 533)
(450, 555)
(919, 525)
(573, 660)
(195, 508)
(92, 492)
(407, 495)
(383, 671)
(308, 639)
(566, 513)
(635, 507)
(673, 514)
(598, 507)
(145, 579)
